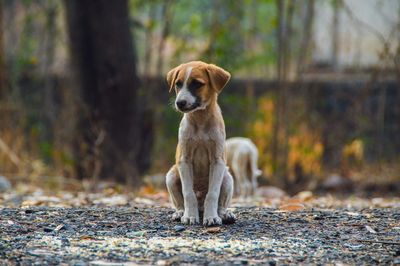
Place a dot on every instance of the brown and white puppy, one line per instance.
(242, 157)
(200, 182)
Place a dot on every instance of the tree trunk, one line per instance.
(335, 34)
(50, 47)
(306, 39)
(280, 148)
(165, 30)
(280, 61)
(103, 57)
(209, 53)
(149, 38)
(286, 68)
(2, 67)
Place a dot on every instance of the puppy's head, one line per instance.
(196, 84)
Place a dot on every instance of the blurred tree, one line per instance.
(306, 38)
(280, 147)
(149, 39)
(165, 31)
(49, 48)
(102, 52)
(279, 38)
(2, 74)
(335, 33)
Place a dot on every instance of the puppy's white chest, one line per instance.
(201, 136)
(201, 142)
(188, 132)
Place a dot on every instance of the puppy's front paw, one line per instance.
(210, 221)
(228, 217)
(177, 215)
(190, 219)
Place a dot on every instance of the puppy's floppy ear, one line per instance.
(218, 77)
(171, 77)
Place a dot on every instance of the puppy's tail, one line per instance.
(257, 172)
(253, 163)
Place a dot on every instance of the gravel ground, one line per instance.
(145, 235)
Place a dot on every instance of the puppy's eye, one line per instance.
(195, 84)
(179, 84)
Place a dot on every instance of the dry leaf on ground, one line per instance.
(213, 230)
(291, 207)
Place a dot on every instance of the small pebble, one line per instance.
(161, 227)
(135, 234)
(4, 184)
(179, 228)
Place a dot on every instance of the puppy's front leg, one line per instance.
(217, 170)
(191, 214)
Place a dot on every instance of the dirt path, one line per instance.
(144, 235)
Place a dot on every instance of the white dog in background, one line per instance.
(242, 157)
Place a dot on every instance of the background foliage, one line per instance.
(298, 117)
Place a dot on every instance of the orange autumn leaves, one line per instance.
(297, 203)
(305, 148)
(262, 133)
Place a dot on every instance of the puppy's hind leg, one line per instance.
(174, 187)
(225, 199)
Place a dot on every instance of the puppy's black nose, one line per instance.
(181, 104)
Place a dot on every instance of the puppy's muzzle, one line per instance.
(184, 106)
(181, 104)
